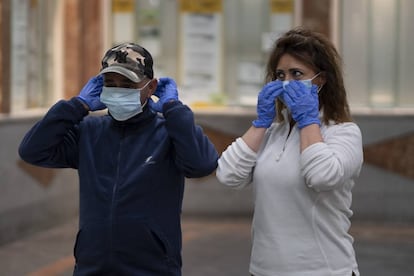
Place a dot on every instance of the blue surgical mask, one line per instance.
(122, 103)
(307, 83)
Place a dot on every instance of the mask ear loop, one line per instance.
(140, 90)
(320, 88)
(315, 76)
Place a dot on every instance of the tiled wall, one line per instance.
(33, 198)
(385, 188)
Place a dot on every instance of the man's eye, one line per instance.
(128, 86)
(108, 83)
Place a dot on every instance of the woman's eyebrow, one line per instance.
(295, 69)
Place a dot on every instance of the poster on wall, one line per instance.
(200, 49)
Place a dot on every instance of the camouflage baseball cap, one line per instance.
(129, 60)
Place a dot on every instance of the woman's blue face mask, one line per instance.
(307, 83)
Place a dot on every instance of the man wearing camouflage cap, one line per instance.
(131, 164)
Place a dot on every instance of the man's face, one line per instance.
(118, 80)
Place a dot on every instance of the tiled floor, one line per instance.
(212, 246)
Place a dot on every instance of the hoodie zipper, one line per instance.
(113, 199)
(289, 134)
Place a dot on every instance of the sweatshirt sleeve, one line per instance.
(235, 166)
(195, 154)
(329, 164)
(53, 141)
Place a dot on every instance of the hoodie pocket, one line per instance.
(141, 244)
(91, 244)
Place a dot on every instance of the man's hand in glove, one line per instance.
(166, 92)
(91, 92)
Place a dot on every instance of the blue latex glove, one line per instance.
(303, 103)
(166, 92)
(90, 93)
(266, 105)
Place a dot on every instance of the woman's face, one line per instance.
(290, 68)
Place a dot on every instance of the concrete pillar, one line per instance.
(83, 31)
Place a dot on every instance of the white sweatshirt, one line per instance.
(302, 201)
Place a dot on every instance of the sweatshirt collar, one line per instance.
(138, 120)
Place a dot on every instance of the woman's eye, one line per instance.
(297, 74)
(280, 75)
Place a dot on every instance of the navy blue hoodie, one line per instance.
(131, 177)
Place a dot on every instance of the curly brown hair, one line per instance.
(318, 52)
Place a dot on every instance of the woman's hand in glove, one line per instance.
(266, 105)
(303, 103)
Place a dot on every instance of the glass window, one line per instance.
(244, 51)
(373, 37)
(250, 29)
(405, 57)
(47, 39)
(375, 44)
(31, 61)
(247, 42)
(151, 23)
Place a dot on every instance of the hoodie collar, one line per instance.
(138, 120)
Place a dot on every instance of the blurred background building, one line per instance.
(216, 50)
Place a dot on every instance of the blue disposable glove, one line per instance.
(166, 92)
(303, 103)
(266, 104)
(90, 93)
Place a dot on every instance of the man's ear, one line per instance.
(152, 86)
